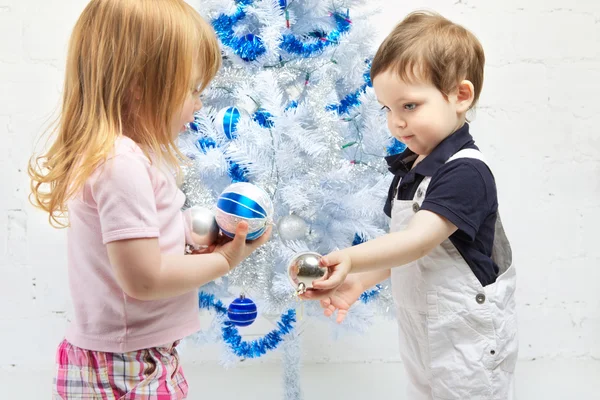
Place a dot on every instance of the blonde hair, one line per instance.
(426, 46)
(121, 49)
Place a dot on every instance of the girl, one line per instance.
(134, 73)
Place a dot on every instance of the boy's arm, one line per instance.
(425, 231)
(371, 278)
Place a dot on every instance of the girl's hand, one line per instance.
(237, 249)
(204, 250)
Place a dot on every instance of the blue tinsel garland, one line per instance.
(370, 294)
(293, 45)
(352, 99)
(232, 337)
(250, 46)
(263, 118)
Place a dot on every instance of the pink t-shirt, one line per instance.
(125, 198)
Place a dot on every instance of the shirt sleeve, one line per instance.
(124, 195)
(464, 192)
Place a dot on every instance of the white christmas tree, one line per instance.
(293, 112)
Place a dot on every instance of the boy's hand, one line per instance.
(340, 299)
(237, 249)
(339, 265)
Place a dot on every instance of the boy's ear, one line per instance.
(464, 96)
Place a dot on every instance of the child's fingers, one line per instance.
(312, 294)
(341, 315)
(309, 295)
(241, 231)
(332, 282)
(324, 261)
(325, 303)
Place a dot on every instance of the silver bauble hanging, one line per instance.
(303, 269)
(292, 227)
(204, 227)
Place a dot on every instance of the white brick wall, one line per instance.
(537, 122)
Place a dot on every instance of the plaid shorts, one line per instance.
(148, 374)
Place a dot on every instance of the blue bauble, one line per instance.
(283, 4)
(242, 311)
(244, 201)
(226, 121)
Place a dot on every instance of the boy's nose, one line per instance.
(400, 123)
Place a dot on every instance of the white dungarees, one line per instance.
(458, 340)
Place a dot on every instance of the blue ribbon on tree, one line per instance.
(293, 45)
(249, 47)
(352, 99)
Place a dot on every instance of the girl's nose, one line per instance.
(198, 105)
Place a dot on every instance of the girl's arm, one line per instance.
(145, 274)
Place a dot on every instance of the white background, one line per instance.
(537, 122)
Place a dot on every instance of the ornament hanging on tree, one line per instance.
(289, 138)
(303, 269)
(203, 226)
(292, 227)
(226, 121)
(244, 201)
(242, 311)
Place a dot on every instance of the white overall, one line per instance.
(458, 340)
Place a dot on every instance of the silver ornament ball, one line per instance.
(204, 227)
(303, 269)
(292, 227)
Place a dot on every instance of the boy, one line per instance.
(448, 257)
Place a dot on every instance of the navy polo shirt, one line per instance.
(462, 191)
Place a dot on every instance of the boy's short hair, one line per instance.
(426, 46)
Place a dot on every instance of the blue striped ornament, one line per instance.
(242, 311)
(244, 201)
(226, 121)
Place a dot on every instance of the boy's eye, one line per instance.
(385, 108)
(410, 106)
